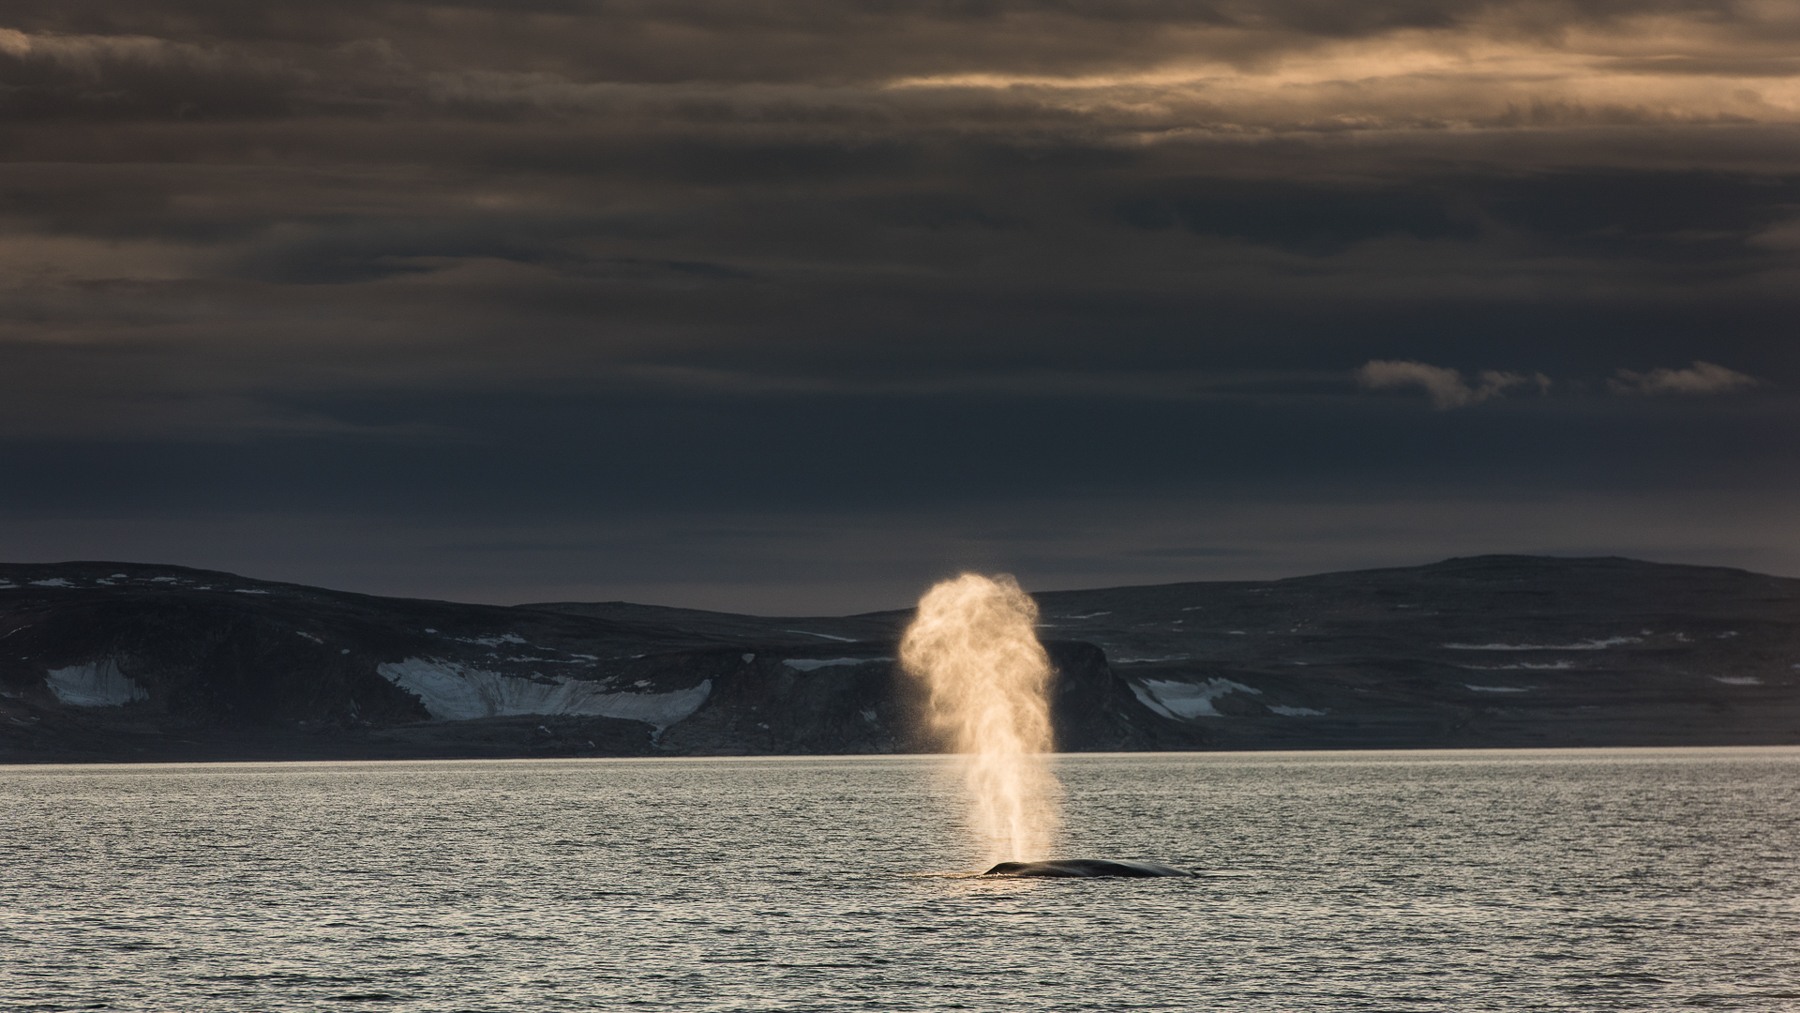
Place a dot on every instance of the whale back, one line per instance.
(1084, 868)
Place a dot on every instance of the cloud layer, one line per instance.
(524, 264)
(1700, 378)
(1448, 389)
(1446, 386)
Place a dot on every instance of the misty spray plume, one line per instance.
(974, 646)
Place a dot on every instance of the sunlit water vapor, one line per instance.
(974, 646)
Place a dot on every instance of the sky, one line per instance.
(790, 307)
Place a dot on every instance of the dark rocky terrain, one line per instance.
(120, 661)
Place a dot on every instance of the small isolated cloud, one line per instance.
(1446, 386)
(1700, 378)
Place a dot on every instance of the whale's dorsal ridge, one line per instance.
(1084, 868)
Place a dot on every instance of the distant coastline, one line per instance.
(122, 662)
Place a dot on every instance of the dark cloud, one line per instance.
(112, 77)
(685, 281)
(813, 40)
(1304, 219)
(1693, 213)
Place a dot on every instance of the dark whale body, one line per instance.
(1084, 868)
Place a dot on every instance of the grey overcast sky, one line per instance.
(794, 306)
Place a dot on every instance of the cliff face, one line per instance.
(112, 661)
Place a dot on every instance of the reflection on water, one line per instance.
(1592, 880)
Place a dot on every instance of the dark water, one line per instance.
(1352, 881)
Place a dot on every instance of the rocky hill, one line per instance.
(118, 661)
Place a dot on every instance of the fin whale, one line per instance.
(1083, 868)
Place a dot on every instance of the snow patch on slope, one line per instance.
(504, 638)
(1580, 645)
(95, 684)
(1186, 700)
(451, 692)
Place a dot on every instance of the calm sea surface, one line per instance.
(1579, 880)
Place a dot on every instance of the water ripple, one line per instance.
(1594, 880)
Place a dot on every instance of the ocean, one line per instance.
(1486, 880)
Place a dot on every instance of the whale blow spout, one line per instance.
(973, 646)
(1083, 868)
